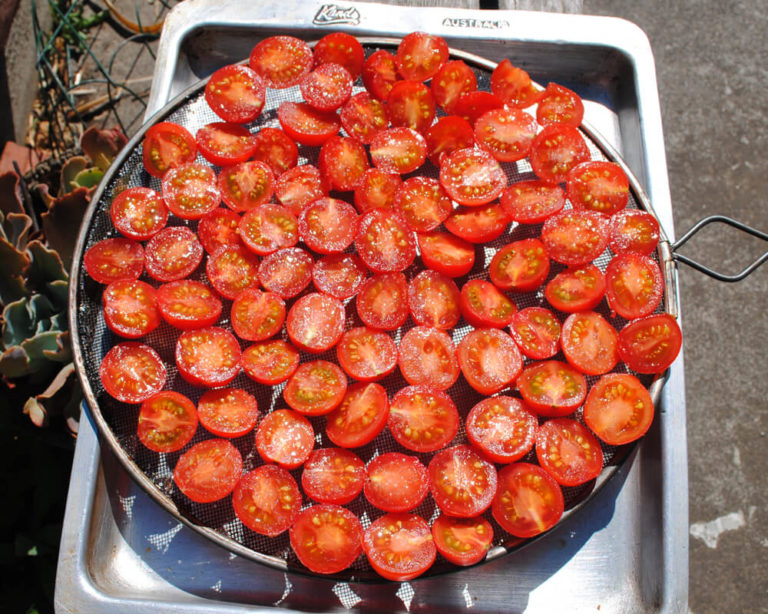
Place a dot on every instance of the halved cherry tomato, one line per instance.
(514, 86)
(138, 213)
(420, 55)
(328, 225)
(632, 230)
(411, 104)
(165, 146)
(532, 202)
(384, 241)
(489, 360)
(398, 150)
(650, 344)
(112, 260)
(423, 203)
(598, 186)
(343, 162)
(208, 356)
(268, 228)
(286, 272)
(209, 470)
(190, 190)
(188, 304)
(399, 547)
(326, 538)
(503, 428)
(228, 412)
(340, 48)
(380, 73)
(423, 419)
(575, 237)
(363, 116)
(367, 354)
(257, 315)
(481, 224)
(552, 388)
(333, 475)
(232, 270)
(447, 135)
(555, 151)
(282, 61)
(433, 299)
(132, 372)
(483, 304)
(236, 93)
(521, 265)
(576, 289)
(382, 301)
(299, 186)
(451, 81)
(246, 185)
(285, 437)
(270, 362)
(618, 409)
(462, 541)
(277, 149)
(536, 331)
(376, 190)
(167, 421)
(427, 356)
(559, 105)
(473, 105)
(462, 482)
(340, 275)
(218, 229)
(506, 133)
(396, 482)
(307, 125)
(315, 322)
(223, 144)
(634, 285)
(360, 417)
(315, 388)
(130, 308)
(446, 253)
(568, 451)
(590, 343)
(472, 177)
(327, 87)
(528, 501)
(267, 500)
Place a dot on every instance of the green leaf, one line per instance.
(45, 267)
(61, 223)
(63, 351)
(16, 227)
(88, 178)
(69, 171)
(14, 362)
(18, 323)
(58, 292)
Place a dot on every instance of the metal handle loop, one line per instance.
(711, 272)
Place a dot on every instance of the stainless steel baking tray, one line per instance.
(626, 552)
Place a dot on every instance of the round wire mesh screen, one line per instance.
(154, 471)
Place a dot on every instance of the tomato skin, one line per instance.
(590, 343)
(363, 116)
(462, 483)
(190, 190)
(423, 419)
(277, 149)
(315, 388)
(420, 55)
(315, 322)
(130, 308)
(632, 230)
(267, 500)
(188, 304)
(165, 146)
(218, 229)
(343, 162)
(446, 135)
(382, 301)
(384, 242)
(138, 213)
(246, 185)
(376, 190)
(396, 482)
(452, 80)
(270, 362)
(398, 150)
(340, 48)
(506, 133)
(433, 300)
(462, 541)
(173, 254)
(503, 428)
(132, 372)
(333, 475)
(427, 356)
(634, 285)
(423, 203)
(618, 409)
(268, 228)
(484, 305)
(446, 253)
(521, 486)
(326, 538)
(328, 225)
(514, 86)
(299, 186)
(473, 105)
(481, 224)
(521, 266)
(536, 331)
(410, 104)
(235, 93)
(568, 451)
(327, 87)
(532, 202)
(360, 416)
(555, 151)
(559, 105)
(552, 388)
(285, 438)
(306, 124)
(286, 272)
(367, 354)
(650, 344)
(380, 74)
(228, 412)
(167, 421)
(576, 289)
(472, 177)
(209, 470)
(282, 61)
(399, 529)
(112, 260)
(598, 186)
(208, 357)
(575, 237)
(232, 270)
(489, 360)
(257, 315)
(340, 275)
(223, 144)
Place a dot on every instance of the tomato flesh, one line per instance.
(363, 116)
(340, 275)
(228, 412)
(380, 74)
(173, 253)
(450, 82)
(299, 186)
(489, 360)
(232, 269)
(246, 185)
(286, 272)
(268, 228)
(559, 105)
(218, 229)
(634, 285)
(575, 237)
(130, 308)
(446, 254)
(285, 438)
(528, 501)
(236, 93)
(536, 331)
(399, 546)
(333, 475)
(376, 190)
(343, 161)
(223, 144)
(514, 86)
(209, 470)
(257, 315)
(275, 148)
(270, 362)
(188, 304)
(590, 343)
(632, 230)
(420, 55)
(433, 299)
(618, 409)
(190, 190)
(398, 150)
(576, 289)
(340, 48)
(506, 133)
(484, 305)
(568, 451)
(208, 356)
(267, 500)
(447, 135)
(385, 242)
(521, 266)
(326, 538)
(396, 482)
(423, 419)
(167, 421)
(138, 213)
(555, 151)
(132, 372)
(282, 61)
(427, 356)
(306, 124)
(552, 388)
(650, 344)
(481, 224)
(411, 104)
(472, 177)
(360, 416)
(367, 354)
(315, 388)
(315, 322)
(503, 428)
(382, 301)
(423, 203)
(327, 87)
(598, 186)
(532, 202)
(165, 146)
(462, 483)
(112, 260)
(328, 225)
(462, 541)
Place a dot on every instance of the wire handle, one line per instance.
(711, 272)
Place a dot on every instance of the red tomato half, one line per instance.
(421, 55)
(282, 61)
(277, 149)
(575, 237)
(267, 500)
(376, 190)
(398, 150)
(484, 305)
(340, 48)
(232, 270)
(326, 538)
(576, 289)
(257, 315)
(472, 177)
(307, 125)
(315, 388)
(396, 482)
(555, 151)
(208, 356)
(423, 203)
(327, 87)
(536, 331)
(286, 272)
(132, 372)
(461, 481)
(188, 304)
(270, 362)
(450, 82)
(462, 541)
(223, 144)
(382, 301)
(532, 202)
(411, 104)
(559, 105)
(503, 428)
(650, 344)
(228, 412)
(598, 186)
(427, 356)
(367, 354)
(489, 360)
(246, 185)
(167, 421)
(285, 437)
(552, 388)
(343, 161)
(521, 266)
(399, 547)
(130, 308)
(363, 116)
(528, 501)
(506, 133)
(340, 275)
(514, 86)
(568, 451)
(165, 146)
(328, 225)
(433, 299)
(634, 285)
(384, 241)
(360, 417)
(209, 470)
(315, 322)
(268, 228)
(478, 224)
(590, 343)
(473, 105)
(632, 230)
(333, 475)
(190, 190)
(380, 73)
(235, 93)
(138, 213)
(445, 253)
(299, 186)
(115, 259)
(423, 419)
(218, 229)
(618, 409)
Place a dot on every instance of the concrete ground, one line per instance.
(713, 83)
